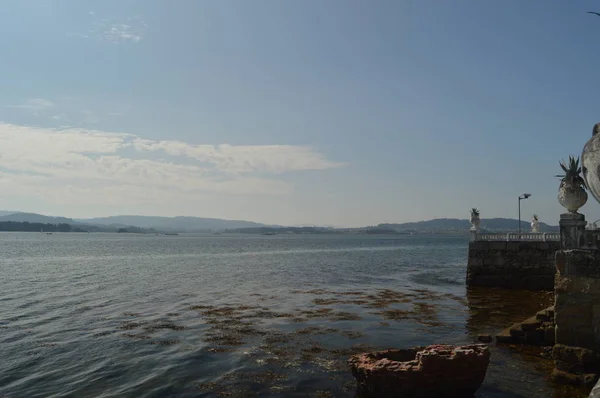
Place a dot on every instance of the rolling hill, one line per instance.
(199, 224)
(36, 218)
(182, 224)
(455, 224)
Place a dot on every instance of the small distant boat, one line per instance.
(48, 233)
(171, 233)
(269, 233)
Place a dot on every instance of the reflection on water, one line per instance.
(188, 316)
(493, 310)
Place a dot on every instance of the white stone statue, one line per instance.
(535, 225)
(475, 220)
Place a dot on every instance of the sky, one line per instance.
(337, 112)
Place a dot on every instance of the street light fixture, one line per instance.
(524, 196)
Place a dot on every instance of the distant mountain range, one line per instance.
(180, 224)
(35, 218)
(199, 224)
(165, 224)
(455, 224)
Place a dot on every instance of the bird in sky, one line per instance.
(595, 13)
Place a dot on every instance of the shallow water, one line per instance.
(117, 315)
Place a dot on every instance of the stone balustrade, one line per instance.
(515, 237)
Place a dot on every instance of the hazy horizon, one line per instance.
(523, 220)
(344, 113)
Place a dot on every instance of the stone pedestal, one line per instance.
(577, 316)
(595, 391)
(472, 235)
(572, 230)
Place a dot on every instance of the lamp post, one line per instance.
(521, 197)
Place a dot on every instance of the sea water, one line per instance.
(126, 315)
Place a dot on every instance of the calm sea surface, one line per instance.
(115, 315)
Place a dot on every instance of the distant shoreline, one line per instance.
(31, 222)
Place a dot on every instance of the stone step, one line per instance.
(542, 316)
(536, 330)
(530, 324)
(546, 315)
(505, 337)
(516, 331)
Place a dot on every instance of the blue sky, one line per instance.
(339, 112)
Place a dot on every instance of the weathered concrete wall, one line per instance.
(577, 316)
(514, 265)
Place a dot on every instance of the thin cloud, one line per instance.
(246, 158)
(130, 30)
(97, 167)
(65, 111)
(35, 104)
(120, 32)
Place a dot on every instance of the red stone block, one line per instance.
(432, 371)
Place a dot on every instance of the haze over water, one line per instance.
(117, 315)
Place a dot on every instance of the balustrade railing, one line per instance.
(515, 236)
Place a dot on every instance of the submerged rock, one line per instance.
(432, 371)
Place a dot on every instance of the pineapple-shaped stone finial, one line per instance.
(571, 193)
(475, 220)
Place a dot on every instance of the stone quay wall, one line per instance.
(577, 316)
(527, 265)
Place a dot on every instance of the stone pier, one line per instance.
(527, 265)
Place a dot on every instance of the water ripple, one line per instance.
(101, 315)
